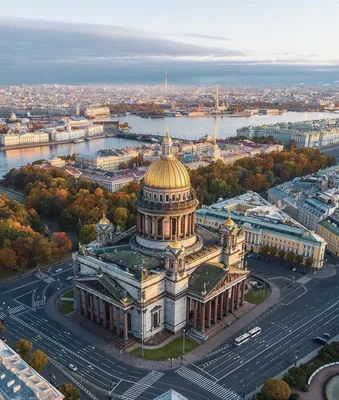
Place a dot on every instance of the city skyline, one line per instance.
(226, 44)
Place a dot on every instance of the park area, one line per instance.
(171, 350)
(65, 304)
(257, 296)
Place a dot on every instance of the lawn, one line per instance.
(170, 350)
(66, 306)
(258, 296)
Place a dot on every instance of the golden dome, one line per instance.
(167, 139)
(104, 220)
(229, 222)
(167, 173)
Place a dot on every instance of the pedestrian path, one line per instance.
(13, 311)
(141, 386)
(205, 383)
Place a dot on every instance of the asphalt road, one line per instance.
(308, 307)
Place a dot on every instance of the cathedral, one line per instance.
(165, 274)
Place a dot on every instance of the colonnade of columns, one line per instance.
(93, 307)
(166, 228)
(217, 308)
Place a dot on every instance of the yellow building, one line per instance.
(329, 230)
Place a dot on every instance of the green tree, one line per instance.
(265, 250)
(69, 391)
(276, 389)
(296, 376)
(38, 360)
(299, 259)
(290, 256)
(87, 234)
(273, 251)
(281, 255)
(309, 261)
(24, 347)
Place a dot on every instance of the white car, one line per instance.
(69, 278)
(72, 367)
(58, 270)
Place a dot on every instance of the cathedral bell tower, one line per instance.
(176, 286)
(232, 239)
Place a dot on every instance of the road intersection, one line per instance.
(307, 307)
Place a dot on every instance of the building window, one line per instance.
(173, 197)
(161, 197)
(156, 319)
(167, 197)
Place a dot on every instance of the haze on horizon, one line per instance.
(83, 42)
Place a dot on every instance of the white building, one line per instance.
(19, 381)
(12, 139)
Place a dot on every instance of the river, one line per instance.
(184, 127)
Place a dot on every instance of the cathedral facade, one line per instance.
(167, 273)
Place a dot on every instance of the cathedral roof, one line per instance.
(167, 173)
(104, 220)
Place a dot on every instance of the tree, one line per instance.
(296, 376)
(299, 259)
(273, 251)
(62, 241)
(309, 261)
(290, 256)
(7, 259)
(38, 361)
(276, 389)
(69, 391)
(123, 165)
(87, 234)
(120, 216)
(281, 255)
(24, 347)
(265, 250)
(2, 329)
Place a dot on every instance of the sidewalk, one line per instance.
(189, 358)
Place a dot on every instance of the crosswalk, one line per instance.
(141, 386)
(13, 310)
(205, 383)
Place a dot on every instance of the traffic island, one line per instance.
(258, 296)
(66, 303)
(171, 350)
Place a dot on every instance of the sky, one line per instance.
(105, 41)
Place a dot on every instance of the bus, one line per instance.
(242, 339)
(254, 332)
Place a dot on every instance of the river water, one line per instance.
(184, 127)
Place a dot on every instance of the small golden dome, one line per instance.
(229, 222)
(167, 139)
(175, 244)
(167, 173)
(104, 220)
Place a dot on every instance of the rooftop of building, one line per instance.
(19, 381)
(331, 224)
(252, 209)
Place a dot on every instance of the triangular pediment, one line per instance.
(107, 286)
(211, 279)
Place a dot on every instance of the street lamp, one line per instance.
(142, 344)
(183, 341)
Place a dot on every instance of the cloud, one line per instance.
(209, 37)
(48, 52)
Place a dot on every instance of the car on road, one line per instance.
(320, 340)
(72, 367)
(327, 335)
(69, 278)
(294, 269)
(249, 255)
(267, 260)
(58, 270)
